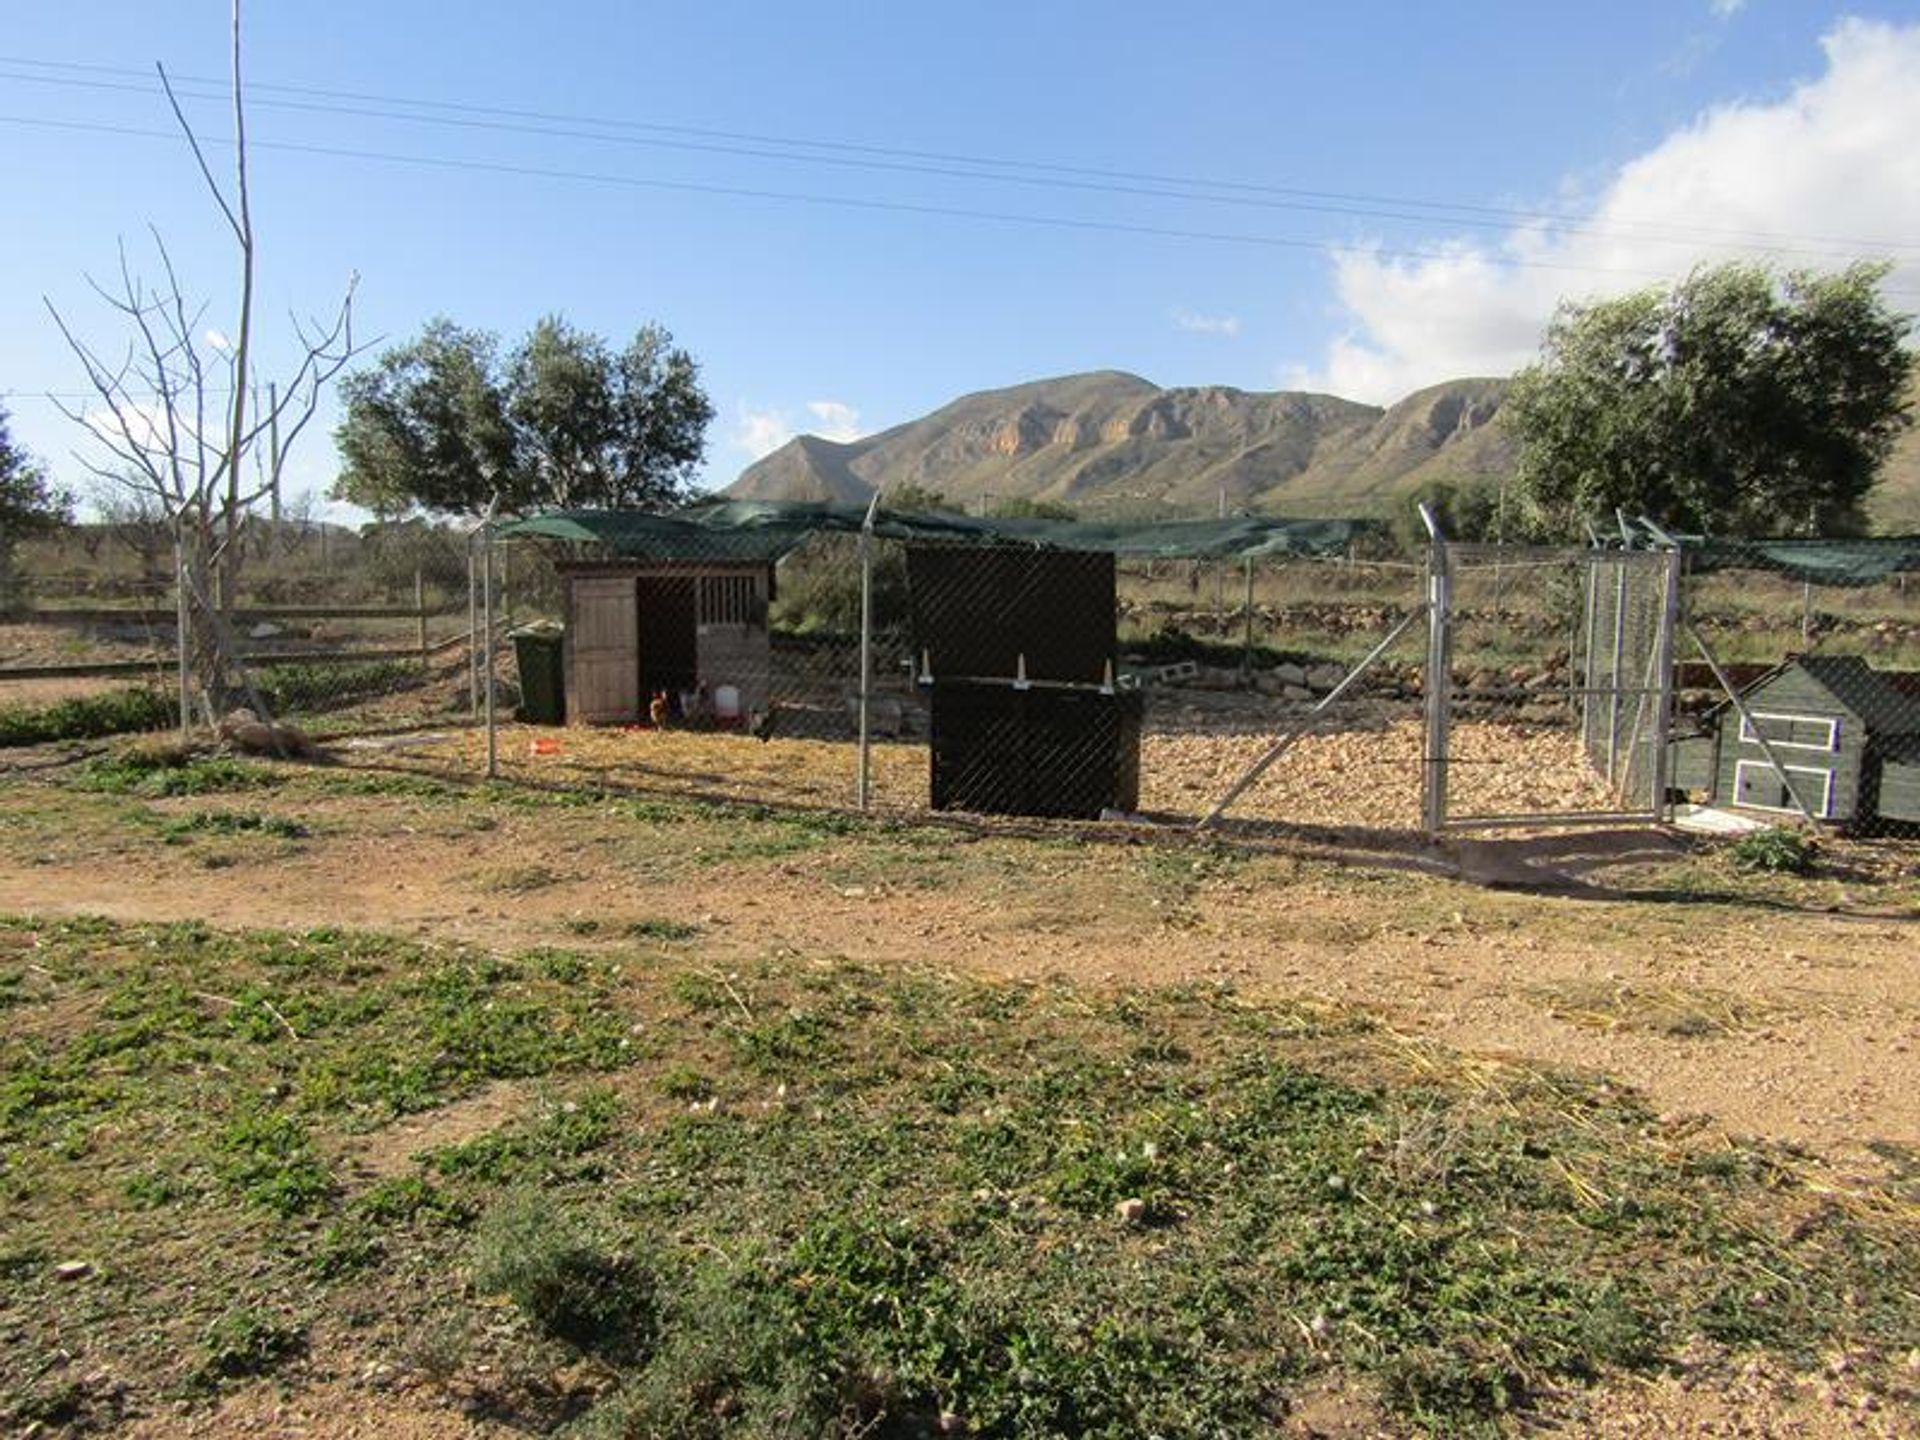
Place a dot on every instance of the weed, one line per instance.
(266, 1158)
(683, 1082)
(160, 772)
(517, 879)
(567, 1132)
(566, 1282)
(119, 712)
(245, 1343)
(1775, 851)
(232, 822)
(651, 928)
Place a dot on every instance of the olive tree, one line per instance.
(1736, 402)
(448, 425)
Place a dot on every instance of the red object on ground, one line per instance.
(544, 745)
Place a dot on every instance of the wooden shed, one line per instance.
(1847, 738)
(640, 628)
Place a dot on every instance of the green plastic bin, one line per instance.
(540, 652)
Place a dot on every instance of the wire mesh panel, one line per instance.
(1800, 686)
(1560, 676)
(1301, 705)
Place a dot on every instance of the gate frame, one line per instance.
(1439, 688)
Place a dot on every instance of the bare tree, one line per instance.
(179, 411)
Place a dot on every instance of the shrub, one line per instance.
(567, 1284)
(243, 1343)
(1774, 852)
(118, 712)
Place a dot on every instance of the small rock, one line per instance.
(72, 1270)
(1336, 1184)
(952, 1424)
(1132, 1210)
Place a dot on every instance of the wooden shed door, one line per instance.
(606, 651)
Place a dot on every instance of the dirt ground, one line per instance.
(1795, 1019)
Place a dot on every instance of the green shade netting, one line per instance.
(748, 531)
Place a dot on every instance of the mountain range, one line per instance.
(1111, 444)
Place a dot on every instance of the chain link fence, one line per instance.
(902, 671)
(1558, 694)
(335, 633)
(1798, 684)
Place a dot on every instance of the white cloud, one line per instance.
(1196, 324)
(838, 420)
(1798, 181)
(1724, 9)
(761, 432)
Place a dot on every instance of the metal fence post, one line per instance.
(1613, 672)
(473, 634)
(1246, 649)
(420, 612)
(865, 785)
(1664, 696)
(486, 624)
(1439, 674)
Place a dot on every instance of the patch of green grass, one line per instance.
(553, 1144)
(268, 1160)
(232, 822)
(163, 771)
(838, 1199)
(568, 1282)
(120, 712)
(245, 1343)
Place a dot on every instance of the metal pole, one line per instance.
(420, 613)
(183, 637)
(1439, 673)
(473, 634)
(1740, 709)
(1663, 717)
(1286, 742)
(486, 625)
(1589, 669)
(1246, 652)
(864, 789)
(1613, 674)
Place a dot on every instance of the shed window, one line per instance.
(1801, 732)
(1757, 787)
(729, 600)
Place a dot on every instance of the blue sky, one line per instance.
(1417, 185)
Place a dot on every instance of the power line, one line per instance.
(939, 163)
(847, 202)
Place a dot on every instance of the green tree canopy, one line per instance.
(1736, 402)
(444, 423)
(29, 505)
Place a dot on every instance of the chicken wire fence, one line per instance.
(999, 678)
(1556, 684)
(1588, 685)
(334, 633)
(1797, 683)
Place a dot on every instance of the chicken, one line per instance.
(760, 723)
(659, 711)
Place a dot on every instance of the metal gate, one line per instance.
(1549, 685)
